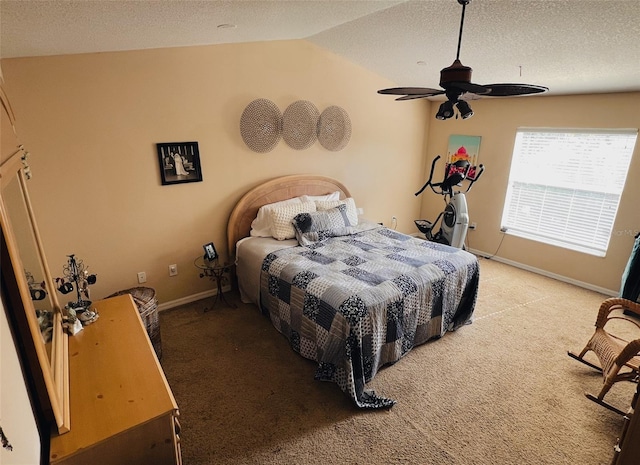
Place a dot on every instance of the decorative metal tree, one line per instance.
(76, 274)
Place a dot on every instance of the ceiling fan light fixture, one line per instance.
(464, 109)
(445, 111)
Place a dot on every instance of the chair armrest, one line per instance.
(616, 303)
(631, 350)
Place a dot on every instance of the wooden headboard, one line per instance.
(274, 190)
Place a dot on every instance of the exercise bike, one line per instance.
(455, 217)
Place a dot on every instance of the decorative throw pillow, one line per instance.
(282, 217)
(261, 225)
(317, 226)
(352, 212)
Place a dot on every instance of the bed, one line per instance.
(351, 295)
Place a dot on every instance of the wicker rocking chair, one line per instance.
(619, 359)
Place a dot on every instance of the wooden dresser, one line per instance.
(627, 451)
(122, 409)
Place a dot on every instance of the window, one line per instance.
(565, 185)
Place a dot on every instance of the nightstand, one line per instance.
(217, 272)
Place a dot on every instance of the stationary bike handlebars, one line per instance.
(455, 173)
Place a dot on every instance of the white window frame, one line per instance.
(555, 173)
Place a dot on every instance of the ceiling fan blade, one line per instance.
(457, 85)
(411, 97)
(506, 90)
(411, 91)
(470, 87)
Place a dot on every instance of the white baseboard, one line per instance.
(548, 274)
(191, 298)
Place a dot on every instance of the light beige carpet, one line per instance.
(501, 390)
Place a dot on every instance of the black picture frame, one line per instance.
(210, 252)
(175, 170)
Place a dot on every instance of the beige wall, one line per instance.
(496, 120)
(91, 123)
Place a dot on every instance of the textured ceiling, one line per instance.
(570, 46)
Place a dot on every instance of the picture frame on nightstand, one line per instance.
(210, 252)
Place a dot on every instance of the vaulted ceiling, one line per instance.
(570, 46)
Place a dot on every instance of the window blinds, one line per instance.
(565, 185)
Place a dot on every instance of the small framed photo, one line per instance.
(179, 162)
(210, 251)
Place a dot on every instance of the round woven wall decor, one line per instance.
(334, 128)
(299, 124)
(261, 125)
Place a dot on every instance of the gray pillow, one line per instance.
(320, 225)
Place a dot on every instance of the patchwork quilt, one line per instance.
(358, 302)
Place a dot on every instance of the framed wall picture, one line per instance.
(210, 252)
(464, 148)
(179, 162)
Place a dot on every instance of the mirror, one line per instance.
(35, 293)
(25, 241)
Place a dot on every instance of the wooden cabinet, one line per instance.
(122, 409)
(627, 452)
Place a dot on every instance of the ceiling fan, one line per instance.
(455, 81)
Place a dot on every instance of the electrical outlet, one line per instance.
(142, 277)
(173, 270)
(473, 225)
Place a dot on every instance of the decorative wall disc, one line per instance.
(261, 125)
(300, 124)
(334, 128)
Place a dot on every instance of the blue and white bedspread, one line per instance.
(356, 303)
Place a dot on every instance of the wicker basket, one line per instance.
(145, 299)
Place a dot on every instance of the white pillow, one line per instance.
(352, 211)
(261, 225)
(282, 218)
(312, 198)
